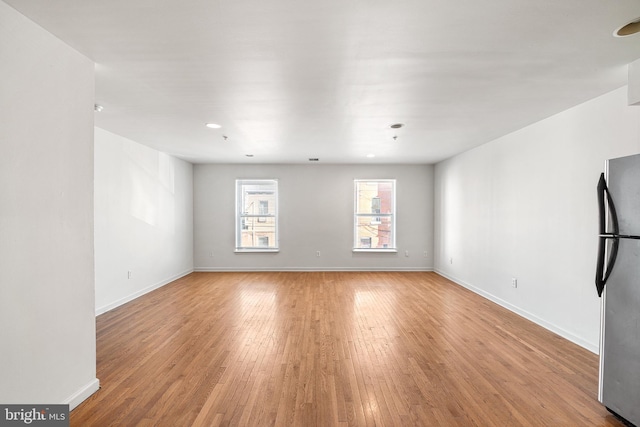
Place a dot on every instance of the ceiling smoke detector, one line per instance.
(314, 159)
(629, 29)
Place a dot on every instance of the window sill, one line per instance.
(388, 250)
(256, 250)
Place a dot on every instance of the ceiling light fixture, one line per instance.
(314, 159)
(371, 156)
(629, 29)
(249, 155)
(213, 126)
(396, 126)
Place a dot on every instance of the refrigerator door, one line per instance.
(621, 353)
(624, 186)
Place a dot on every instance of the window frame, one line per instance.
(375, 217)
(241, 223)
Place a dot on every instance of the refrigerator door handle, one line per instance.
(601, 274)
(603, 192)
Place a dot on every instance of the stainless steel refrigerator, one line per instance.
(619, 268)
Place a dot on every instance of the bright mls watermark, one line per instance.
(34, 415)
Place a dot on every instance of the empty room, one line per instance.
(248, 213)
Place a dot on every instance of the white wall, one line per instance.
(316, 214)
(143, 219)
(47, 322)
(524, 206)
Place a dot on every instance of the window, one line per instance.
(375, 208)
(256, 215)
(263, 209)
(375, 215)
(365, 242)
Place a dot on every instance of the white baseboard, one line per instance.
(594, 348)
(124, 300)
(303, 269)
(81, 395)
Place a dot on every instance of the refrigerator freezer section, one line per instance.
(624, 186)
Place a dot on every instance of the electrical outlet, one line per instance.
(317, 253)
(425, 254)
(406, 253)
(514, 282)
(211, 254)
(450, 260)
(129, 275)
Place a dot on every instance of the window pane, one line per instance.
(374, 197)
(258, 232)
(374, 232)
(258, 199)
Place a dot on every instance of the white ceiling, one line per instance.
(289, 80)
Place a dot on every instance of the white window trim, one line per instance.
(392, 215)
(239, 216)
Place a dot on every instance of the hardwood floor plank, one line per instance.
(333, 349)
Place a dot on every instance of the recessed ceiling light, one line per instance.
(396, 126)
(629, 29)
(213, 126)
(371, 156)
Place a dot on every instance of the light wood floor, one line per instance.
(333, 349)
